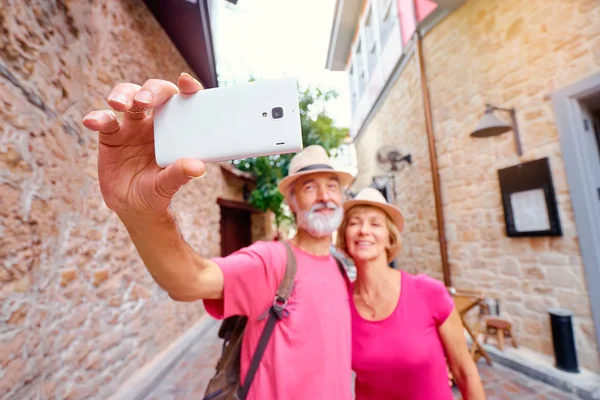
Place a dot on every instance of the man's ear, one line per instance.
(290, 200)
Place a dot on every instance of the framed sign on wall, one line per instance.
(529, 200)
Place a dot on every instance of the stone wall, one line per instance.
(78, 311)
(512, 54)
(401, 123)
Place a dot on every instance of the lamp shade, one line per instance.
(490, 125)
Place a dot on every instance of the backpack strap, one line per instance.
(287, 283)
(342, 269)
(275, 313)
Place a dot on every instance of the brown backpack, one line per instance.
(225, 384)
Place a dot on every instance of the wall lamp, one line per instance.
(388, 158)
(490, 125)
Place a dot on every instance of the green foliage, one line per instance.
(317, 128)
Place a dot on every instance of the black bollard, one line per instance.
(563, 339)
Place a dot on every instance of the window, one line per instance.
(361, 71)
(384, 6)
(380, 20)
(370, 41)
(353, 90)
(369, 30)
(387, 19)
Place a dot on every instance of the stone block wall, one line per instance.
(78, 311)
(512, 54)
(400, 123)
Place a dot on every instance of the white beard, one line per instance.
(320, 225)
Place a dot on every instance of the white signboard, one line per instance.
(530, 211)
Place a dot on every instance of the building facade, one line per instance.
(522, 225)
(79, 313)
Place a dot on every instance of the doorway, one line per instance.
(577, 110)
(594, 115)
(236, 225)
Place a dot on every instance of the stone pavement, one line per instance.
(187, 379)
(502, 383)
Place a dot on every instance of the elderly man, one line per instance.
(309, 354)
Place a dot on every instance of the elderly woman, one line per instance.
(405, 329)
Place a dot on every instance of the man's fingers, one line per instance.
(134, 99)
(104, 121)
(187, 84)
(154, 92)
(170, 179)
(121, 96)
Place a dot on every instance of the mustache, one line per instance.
(328, 205)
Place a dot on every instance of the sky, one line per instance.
(269, 39)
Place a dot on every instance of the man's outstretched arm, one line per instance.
(140, 192)
(173, 264)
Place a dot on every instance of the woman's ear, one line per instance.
(389, 240)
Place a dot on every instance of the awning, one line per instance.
(187, 23)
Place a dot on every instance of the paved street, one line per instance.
(188, 378)
(502, 383)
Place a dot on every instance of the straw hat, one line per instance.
(312, 159)
(372, 197)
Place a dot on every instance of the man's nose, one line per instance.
(324, 194)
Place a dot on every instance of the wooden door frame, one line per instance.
(234, 205)
(569, 119)
(238, 205)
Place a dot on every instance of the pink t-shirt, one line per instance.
(402, 357)
(309, 354)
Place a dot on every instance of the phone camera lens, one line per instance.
(277, 112)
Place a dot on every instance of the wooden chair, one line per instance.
(465, 300)
(501, 328)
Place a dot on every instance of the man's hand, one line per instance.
(140, 192)
(131, 182)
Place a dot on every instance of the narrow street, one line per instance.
(189, 376)
(187, 379)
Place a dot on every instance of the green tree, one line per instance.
(317, 128)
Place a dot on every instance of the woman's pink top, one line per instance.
(402, 357)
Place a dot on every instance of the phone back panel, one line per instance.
(229, 123)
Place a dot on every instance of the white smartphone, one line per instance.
(227, 123)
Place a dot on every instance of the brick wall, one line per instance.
(509, 53)
(78, 311)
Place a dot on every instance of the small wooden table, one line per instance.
(465, 301)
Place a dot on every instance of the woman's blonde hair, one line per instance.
(395, 239)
